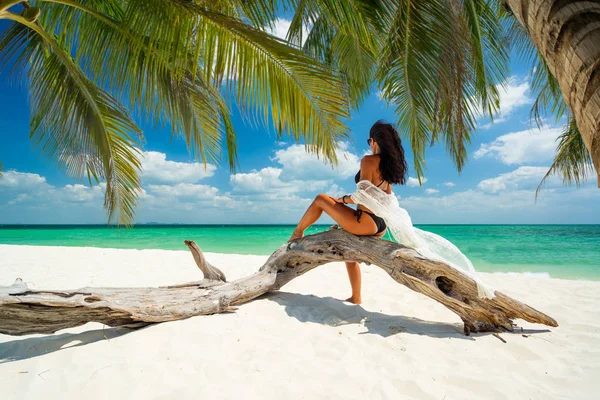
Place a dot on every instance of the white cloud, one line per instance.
(21, 198)
(522, 178)
(21, 180)
(281, 28)
(268, 180)
(335, 191)
(497, 120)
(414, 182)
(184, 190)
(513, 95)
(529, 146)
(449, 184)
(509, 198)
(81, 194)
(156, 168)
(257, 181)
(22, 188)
(506, 198)
(297, 163)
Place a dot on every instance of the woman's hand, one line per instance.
(345, 199)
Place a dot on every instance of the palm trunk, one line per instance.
(567, 34)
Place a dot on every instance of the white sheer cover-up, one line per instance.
(401, 228)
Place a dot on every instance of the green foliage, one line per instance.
(573, 162)
(95, 66)
(437, 62)
(90, 64)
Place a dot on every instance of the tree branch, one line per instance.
(24, 311)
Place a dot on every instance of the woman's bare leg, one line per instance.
(340, 213)
(345, 218)
(355, 281)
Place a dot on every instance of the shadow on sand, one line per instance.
(305, 308)
(23, 349)
(334, 312)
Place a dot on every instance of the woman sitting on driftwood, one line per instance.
(385, 167)
(378, 210)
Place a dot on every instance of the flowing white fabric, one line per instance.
(426, 243)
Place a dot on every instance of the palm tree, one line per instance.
(92, 64)
(436, 61)
(573, 161)
(567, 40)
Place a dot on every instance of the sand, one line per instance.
(300, 343)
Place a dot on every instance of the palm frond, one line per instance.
(488, 53)
(345, 34)
(300, 97)
(440, 66)
(453, 107)
(14, 54)
(573, 162)
(311, 102)
(548, 92)
(80, 125)
(544, 85)
(409, 69)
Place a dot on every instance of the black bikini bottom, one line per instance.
(381, 226)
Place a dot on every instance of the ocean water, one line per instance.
(560, 251)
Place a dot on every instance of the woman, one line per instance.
(384, 168)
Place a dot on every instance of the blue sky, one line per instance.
(276, 181)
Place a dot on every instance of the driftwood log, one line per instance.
(26, 311)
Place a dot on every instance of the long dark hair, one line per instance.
(393, 165)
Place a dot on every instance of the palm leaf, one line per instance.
(408, 71)
(488, 54)
(80, 125)
(573, 162)
(549, 95)
(345, 34)
(300, 97)
(311, 100)
(439, 68)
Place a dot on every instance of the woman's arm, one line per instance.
(367, 167)
(345, 199)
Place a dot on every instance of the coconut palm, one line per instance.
(91, 65)
(567, 39)
(436, 61)
(573, 162)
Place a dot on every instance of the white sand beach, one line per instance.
(300, 343)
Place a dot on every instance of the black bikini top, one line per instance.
(357, 178)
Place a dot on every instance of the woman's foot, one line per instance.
(296, 235)
(354, 300)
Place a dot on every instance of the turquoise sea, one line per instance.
(562, 251)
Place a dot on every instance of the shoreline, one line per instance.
(531, 274)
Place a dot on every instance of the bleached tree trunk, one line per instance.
(567, 34)
(25, 311)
